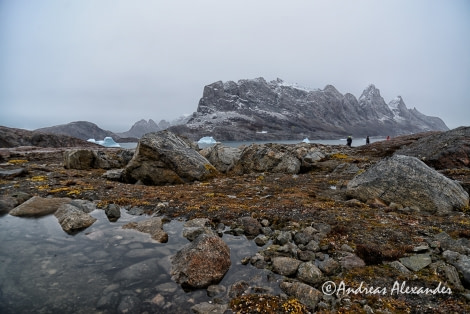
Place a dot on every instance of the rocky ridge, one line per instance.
(12, 137)
(257, 109)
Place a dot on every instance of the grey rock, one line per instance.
(129, 305)
(113, 212)
(450, 273)
(306, 256)
(347, 248)
(152, 226)
(84, 205)
(400, 267)
(206, 307)
(329, 266)
(305, 293)
(309, 273)
(195, 227)
(416, 262)
(461, 263)
(303, 237)
(9, 174)
(447, 243)
(251, 226)
(113, 174)
(8, 202)
(72, 218)
(408, 181)
(108, 301)
(273, 158)
(201, 263)
(261, 240)
(223, 158)
(138, 271)
(39, 206)
(165, 158)
(351, 260)
(313, 246)
(282, 237)
(83, 159)
(215, 290)
(285, 266)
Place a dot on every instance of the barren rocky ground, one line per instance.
(376, 232)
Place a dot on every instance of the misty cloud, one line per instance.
(113, 63)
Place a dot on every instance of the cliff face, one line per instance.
(258, 110)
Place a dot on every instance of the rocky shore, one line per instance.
(380, 228)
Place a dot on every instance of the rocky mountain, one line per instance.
(11, 137)
(80, 129)
(260, 110)
(140, 128)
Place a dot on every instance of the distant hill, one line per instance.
(12, 137)
(260, 110)
(140, 128)
(80, 129)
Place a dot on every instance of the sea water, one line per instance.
(355, 143)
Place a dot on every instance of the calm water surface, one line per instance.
(356, 142)
(45, 270)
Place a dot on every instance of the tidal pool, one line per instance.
(105, 269)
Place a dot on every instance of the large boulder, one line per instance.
(268, 158)
(83, 159)
(202, 262)
(165, 158)
(223, 158)
(410, 182)
(39, 206)
(445, 150)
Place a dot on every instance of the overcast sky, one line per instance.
(114, 62)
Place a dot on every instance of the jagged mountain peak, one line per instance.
(370, 92)
(240, 110)
(397, 103)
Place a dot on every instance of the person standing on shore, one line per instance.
(367, 140)
(349, 141)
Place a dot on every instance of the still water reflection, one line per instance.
(45, 270)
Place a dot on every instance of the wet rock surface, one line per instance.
(202, 262)
(39, 206)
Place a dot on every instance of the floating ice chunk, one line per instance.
(207, 140)
(306, 140)
(109, 142)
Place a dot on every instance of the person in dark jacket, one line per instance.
(349, 141)
(367, 140)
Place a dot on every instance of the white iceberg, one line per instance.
(107, 142)
(306, 140)
(207, 140)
